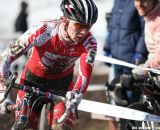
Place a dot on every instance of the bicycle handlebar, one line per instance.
(46, 94)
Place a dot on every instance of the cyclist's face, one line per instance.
(144, 6)
(77, 31)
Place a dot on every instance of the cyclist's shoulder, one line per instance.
(47, 24)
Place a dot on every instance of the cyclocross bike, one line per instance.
(25, 107)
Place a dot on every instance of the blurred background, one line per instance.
(41, 9)
(38, 10)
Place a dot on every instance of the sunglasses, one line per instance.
(79, 25)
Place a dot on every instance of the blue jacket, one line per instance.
(126, 31)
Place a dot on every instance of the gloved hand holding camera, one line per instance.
(138, 58)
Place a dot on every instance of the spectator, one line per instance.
(21, 24)
(150, 10)
(125, 39)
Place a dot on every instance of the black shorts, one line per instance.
(57, 86)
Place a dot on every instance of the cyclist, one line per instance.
(150, 10)
(56, 45)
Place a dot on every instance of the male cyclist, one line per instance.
(150, 10)
(56, 45)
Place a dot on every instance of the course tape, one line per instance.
(123, 63)
(116, 111)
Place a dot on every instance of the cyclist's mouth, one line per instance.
(79, 36)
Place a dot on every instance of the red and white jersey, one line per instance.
(51, 58)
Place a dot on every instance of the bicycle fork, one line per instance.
(22, 120)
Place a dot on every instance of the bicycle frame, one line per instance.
(26, 105)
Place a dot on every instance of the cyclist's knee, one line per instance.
(62, 126)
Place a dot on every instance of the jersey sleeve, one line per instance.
(29, 39)
(86, 65)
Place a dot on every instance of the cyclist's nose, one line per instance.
(84, 31)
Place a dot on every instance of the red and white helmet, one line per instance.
(82, 11)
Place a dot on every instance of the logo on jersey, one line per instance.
(57, 62)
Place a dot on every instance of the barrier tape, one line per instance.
(116, 111)
(123, 63)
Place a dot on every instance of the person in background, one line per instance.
(125, 40)
(150, 10)
(56, 45)
(21, 24)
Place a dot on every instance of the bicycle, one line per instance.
(149, 101)
(45, 97)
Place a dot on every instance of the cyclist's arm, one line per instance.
(85, 69)
(29, 39)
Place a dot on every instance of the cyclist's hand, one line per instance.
(3, 106)
(139, 73)
(73, 98)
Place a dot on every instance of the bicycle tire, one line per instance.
(136, 125)
(42, 120)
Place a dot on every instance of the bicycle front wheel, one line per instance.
(42, 120)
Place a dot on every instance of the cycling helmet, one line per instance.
(82, 11)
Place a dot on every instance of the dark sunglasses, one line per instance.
(80, 26)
